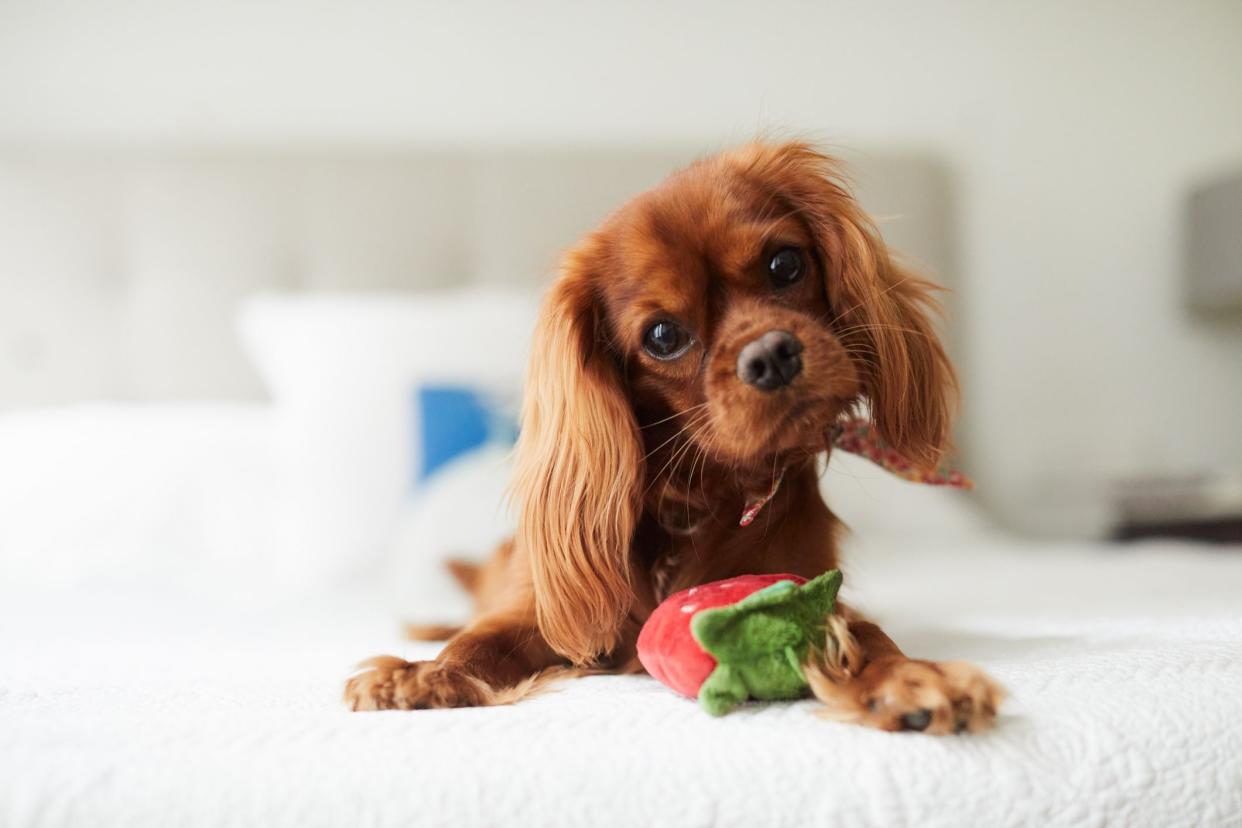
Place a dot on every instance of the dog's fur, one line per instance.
(632, 472)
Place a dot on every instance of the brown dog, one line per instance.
(696, 349)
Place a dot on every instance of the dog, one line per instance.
(691, 360)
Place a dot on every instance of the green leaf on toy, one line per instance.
(761, 642)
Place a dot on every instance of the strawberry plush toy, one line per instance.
(737, 639)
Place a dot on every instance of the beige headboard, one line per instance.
(121, 270)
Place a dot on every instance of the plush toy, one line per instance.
(738, 639)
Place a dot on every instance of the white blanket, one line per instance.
(1125, 669)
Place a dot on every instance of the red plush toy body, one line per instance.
(666, 647)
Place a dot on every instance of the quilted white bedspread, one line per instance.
(1125, 669)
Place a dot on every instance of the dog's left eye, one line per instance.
(667, 340)
(785, 266)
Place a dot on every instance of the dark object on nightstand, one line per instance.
(1219, 530)
(1204, 508)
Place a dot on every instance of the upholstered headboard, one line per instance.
(121, 270)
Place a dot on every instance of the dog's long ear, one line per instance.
(911, 386)
(882, 311)
(579, 467)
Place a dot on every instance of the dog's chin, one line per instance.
(801, 430)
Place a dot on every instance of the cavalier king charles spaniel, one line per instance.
(693, 357)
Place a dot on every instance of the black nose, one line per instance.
(771, 361)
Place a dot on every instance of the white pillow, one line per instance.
(138, 494)
(345, 372)
(461, 513)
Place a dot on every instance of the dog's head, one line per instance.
(748, 302)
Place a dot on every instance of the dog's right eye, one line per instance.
(785, 267)
(667, 340)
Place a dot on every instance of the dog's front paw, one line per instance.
(391, 683)
(938, 697)
(930, 696)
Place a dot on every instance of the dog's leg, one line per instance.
(865, 678)
(497, 659)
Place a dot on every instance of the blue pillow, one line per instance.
(452, 420)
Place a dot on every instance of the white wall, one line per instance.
(1075, 130)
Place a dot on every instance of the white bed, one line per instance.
(159, 700)
(1125, 670)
